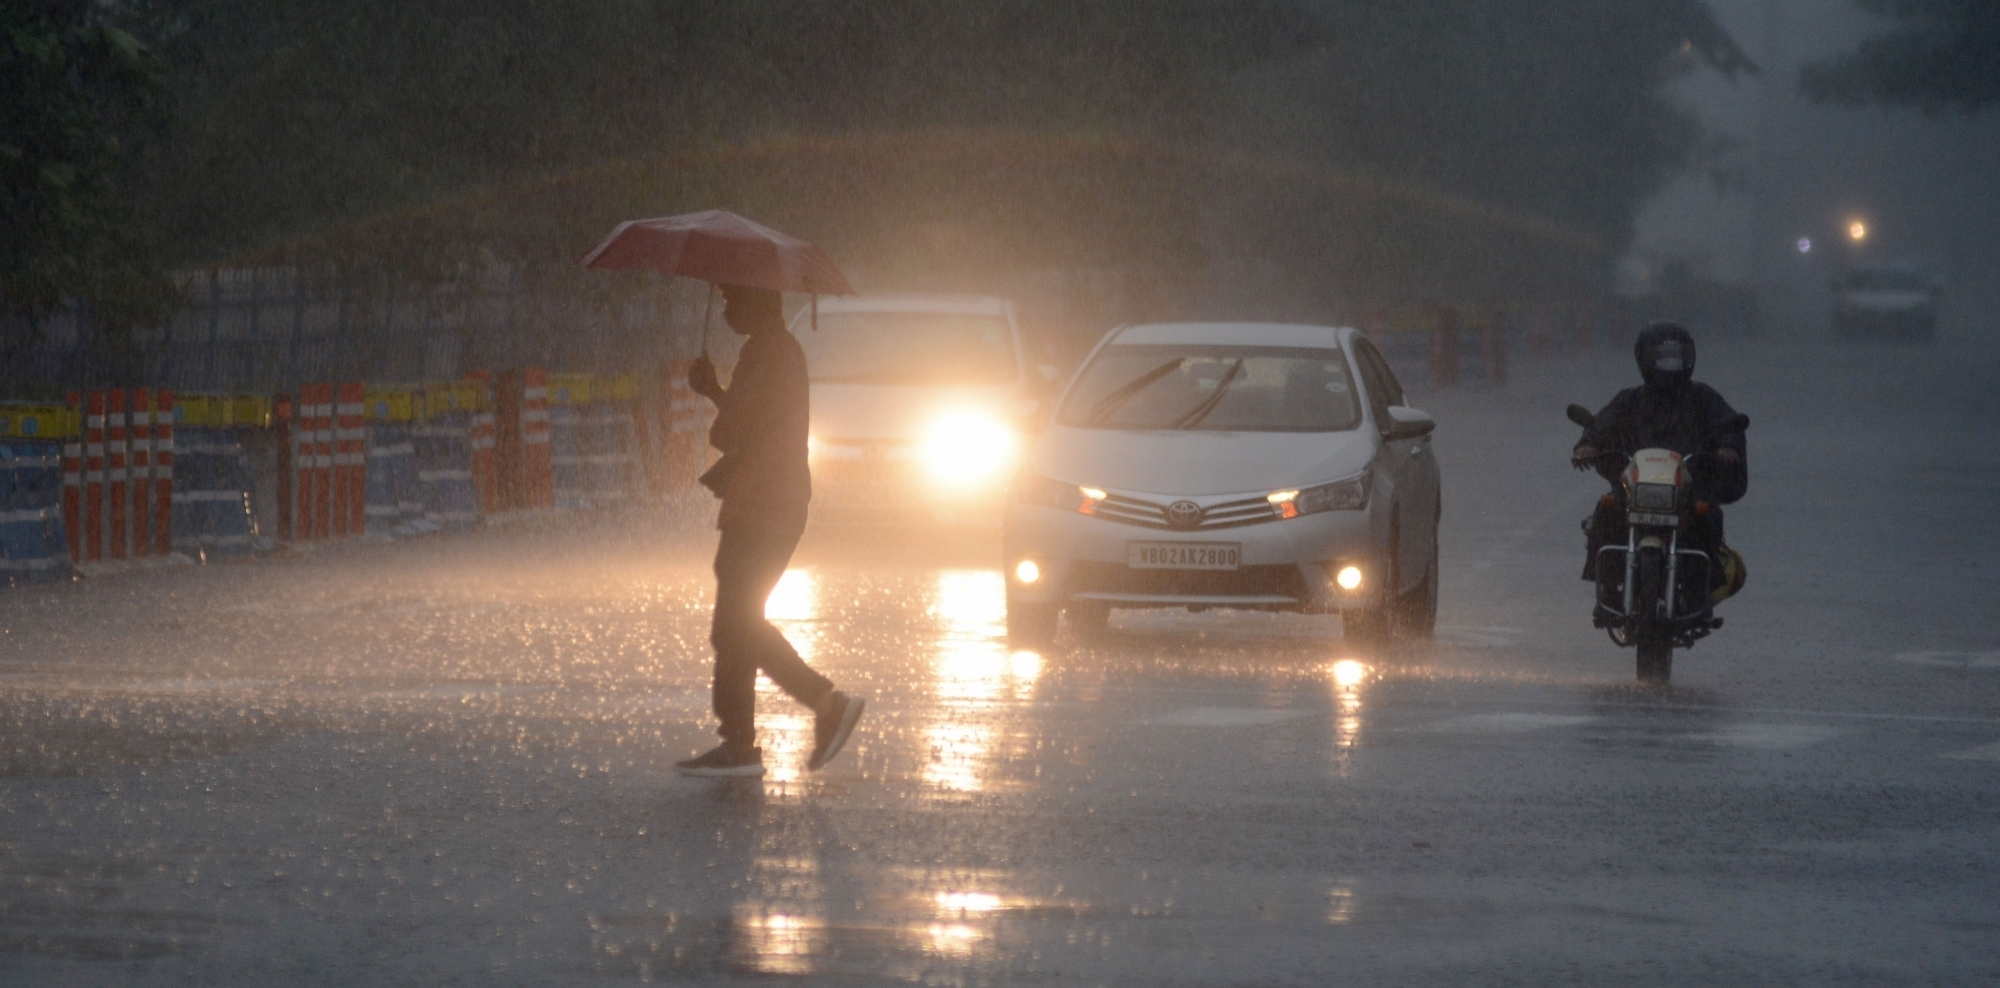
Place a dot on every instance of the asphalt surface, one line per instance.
(448, 761)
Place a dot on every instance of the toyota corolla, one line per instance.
(1227, 465)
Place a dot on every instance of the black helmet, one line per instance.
(1665, 353)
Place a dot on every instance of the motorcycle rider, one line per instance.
(1671, 410)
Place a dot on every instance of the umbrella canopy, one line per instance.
(722, 247)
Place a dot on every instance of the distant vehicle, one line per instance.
(1250, 466)
(1885, 302)
(921, 405)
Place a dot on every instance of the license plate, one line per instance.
(1183, 555)
(1647, 518)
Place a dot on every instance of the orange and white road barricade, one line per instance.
(322, 462)
(139, 465)
(538, 470)
(117, 507)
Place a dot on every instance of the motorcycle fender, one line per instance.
(1652, 542)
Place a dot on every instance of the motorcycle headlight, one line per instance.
(964, 449)
(1653, 497)
(1033, 488)
(1341, 495)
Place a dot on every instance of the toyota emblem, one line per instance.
(1183, 514)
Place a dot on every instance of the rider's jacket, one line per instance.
(1681, 415)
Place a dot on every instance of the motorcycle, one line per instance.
(1654, 593)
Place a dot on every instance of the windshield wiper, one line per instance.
(1199, 412)
(1117, 399)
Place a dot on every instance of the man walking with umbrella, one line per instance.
(762, 479)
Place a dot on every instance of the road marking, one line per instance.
(1512, 723)
(1226, 717)
(1770, 736)
(1952, 660)
(1983, 753)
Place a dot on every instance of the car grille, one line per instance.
(1249, 581)
(1146, 514)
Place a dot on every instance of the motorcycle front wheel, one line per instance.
(1656, 650)
(1656, 661)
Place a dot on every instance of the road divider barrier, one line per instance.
(116, 476)
(212, 517)
(393, 500)
(34, 547)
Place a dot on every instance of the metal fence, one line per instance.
(266, 330)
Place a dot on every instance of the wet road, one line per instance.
(448, 762)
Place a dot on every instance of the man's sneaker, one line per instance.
(725, 761)
(832, 726)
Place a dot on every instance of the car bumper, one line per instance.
(1283, 565)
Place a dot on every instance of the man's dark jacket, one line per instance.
(760, 427)
(1687, 417)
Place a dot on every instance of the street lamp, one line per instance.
(1857, 231)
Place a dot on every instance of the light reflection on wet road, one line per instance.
(449, 762)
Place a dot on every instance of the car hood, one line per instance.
(899, 413)
(1200, 463)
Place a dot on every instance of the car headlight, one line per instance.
(1033, 488)
(1341, 495)
(964, 448)
(1653, 497)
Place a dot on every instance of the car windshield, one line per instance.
(909, 348)
(1879, 280)
(1214, 389)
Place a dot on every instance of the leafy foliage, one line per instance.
(74, 83)
(1383, 150)
(1943, 55)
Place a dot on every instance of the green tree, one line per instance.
(1941, 55)
(76, 86)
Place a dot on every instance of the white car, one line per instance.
(920, 405)
(1234, 465)
(1883, 301)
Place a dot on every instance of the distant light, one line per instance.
(1348, 672)
(1805, 245)
(1857, 231)
(1027, 571)
(1349, 577)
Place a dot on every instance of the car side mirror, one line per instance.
(1407, 423)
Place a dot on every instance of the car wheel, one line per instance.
(1088, 620)
(1031, 625)
(1417, 612)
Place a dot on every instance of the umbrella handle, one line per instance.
(707, 307)
(815, 308)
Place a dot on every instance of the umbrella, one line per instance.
(721, 247)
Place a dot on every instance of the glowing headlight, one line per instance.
(964, 449)
(1027, 572)
(1654, 497)
(1346, 494)
(1033, 488)
(1349, 578)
